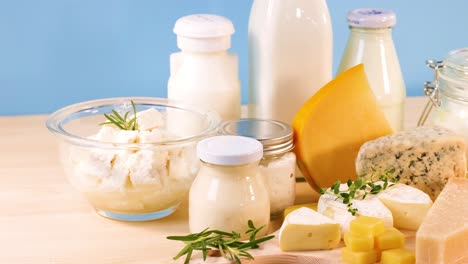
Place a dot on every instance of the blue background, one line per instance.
(58, 52)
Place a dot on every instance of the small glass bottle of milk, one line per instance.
(290, 55)
(370, 42)
(204, 73)
(278, 165)
(228, 190)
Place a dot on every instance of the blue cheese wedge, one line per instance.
(423, 157)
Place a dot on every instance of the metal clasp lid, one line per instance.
(431, 89)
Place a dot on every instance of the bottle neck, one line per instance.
(382, 33)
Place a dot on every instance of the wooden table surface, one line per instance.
(44, 220)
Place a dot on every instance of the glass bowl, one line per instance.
(132, 175)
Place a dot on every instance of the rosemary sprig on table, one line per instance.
(360, 189)
(228, 244)
(121, 121)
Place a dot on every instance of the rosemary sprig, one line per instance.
(360, 189)
(120, 121)
(228, 244)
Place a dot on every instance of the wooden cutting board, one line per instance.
(270, 253)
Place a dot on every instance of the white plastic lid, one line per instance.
(204, 33)
(230, 150)
(371, 18)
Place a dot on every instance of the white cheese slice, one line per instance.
(149, 119)
(305, 229)
(119, 173)
(408, 205)
(335, 209)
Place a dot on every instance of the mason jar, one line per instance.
(448, 92)
(278, 165)
(228, 190)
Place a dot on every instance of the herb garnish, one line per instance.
(359, 189)
(227, 244)
(121, 121)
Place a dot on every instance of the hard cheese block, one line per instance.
(305, 229)
(424, 157)
(443, 236)
(332, 125)
(408, 205)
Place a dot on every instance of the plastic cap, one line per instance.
(371, 18)
(229, 150)
(203, 32)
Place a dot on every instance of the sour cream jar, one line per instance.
(228, 190)
(278, 165)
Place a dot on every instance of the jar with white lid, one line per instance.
(228, 190)
(278, 165)
(204, 72)
(448, 92)
(370, 42)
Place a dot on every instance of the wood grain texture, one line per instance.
(44, 220)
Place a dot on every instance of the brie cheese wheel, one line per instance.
(409, 206)
(336, 210)
(305, 229)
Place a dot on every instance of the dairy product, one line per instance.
(423, 157)
(408, 205)
(366, 225)
(204, 73)
(333, 124)
(358, 257)
(359, 242)
(370, 42)
(292, 208)
(329, 206)
(398, 256)
(290, 55)
(305, 229)
(443, 235)
(278, 174)
(133, 180)
(390, 238)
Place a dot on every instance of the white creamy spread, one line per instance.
(134, 179)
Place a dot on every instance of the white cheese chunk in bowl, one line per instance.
(126, 171)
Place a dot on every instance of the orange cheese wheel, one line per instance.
(333, 124)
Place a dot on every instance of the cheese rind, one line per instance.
(305, 229)
(408, 205)
(443, 235)
(423, 157)
(332, 125)
(292, 208)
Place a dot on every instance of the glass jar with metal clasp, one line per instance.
(448, 92)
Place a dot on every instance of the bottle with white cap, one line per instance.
(370, 42)
(204, 73)
(228, 190)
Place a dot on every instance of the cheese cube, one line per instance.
(423, 157)
(358, 242)
(408, 205)
(351, 257)
(288, 210)
(305, 229)
(398, 256)
(149, 119)
(443, 236)
(389, 239)
(367, 226)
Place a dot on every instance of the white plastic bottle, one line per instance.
(290, 55)
(370, 42)
(204, 73)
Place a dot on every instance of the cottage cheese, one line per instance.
(137, 181)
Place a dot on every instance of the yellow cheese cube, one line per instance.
(389, 239)
(351, 257)
(398, 256)
(358, 243)
(367, 225)
(288, 210)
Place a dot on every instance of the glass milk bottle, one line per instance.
(370, 42)
(204, 73)
(290, 55)
(228, 190)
